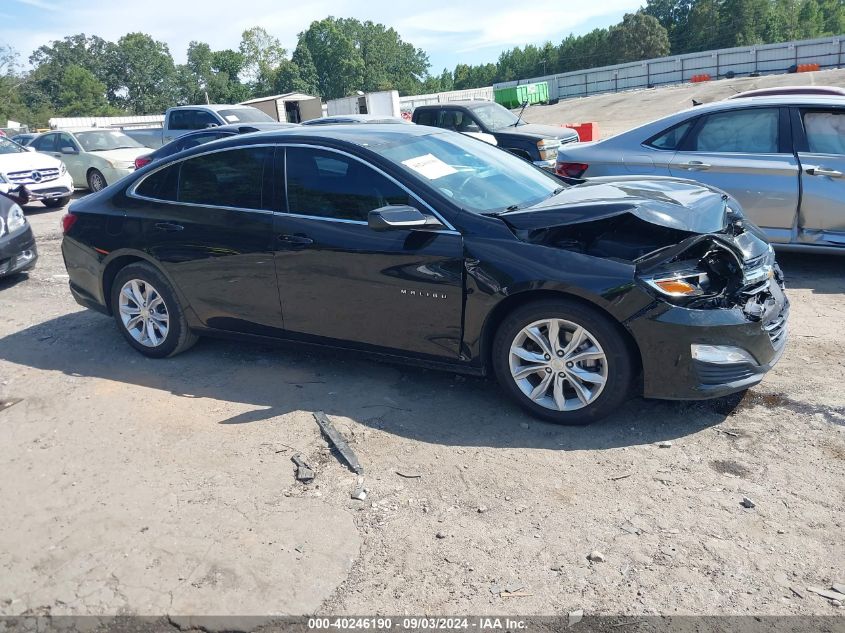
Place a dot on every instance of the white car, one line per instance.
(95, 158)
(45, 177)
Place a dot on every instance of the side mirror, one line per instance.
(211, 125)
(68, 150)
(400, 217)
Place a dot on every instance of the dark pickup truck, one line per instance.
(537, 143)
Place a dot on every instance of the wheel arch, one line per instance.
(515, 301)
(117, 261)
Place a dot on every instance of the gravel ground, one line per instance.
(134, 486)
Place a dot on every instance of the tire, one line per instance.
(96, 180)
(55, 203)
(149, 297)
(603, 360)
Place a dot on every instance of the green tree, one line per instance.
(146, 74)
(262, 55)
(94, 54)
(339, 65)
(637, 37)
(82, 94)
(811, 20)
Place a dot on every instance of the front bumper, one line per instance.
(17, 252)
(666, 333)
(61, 187)
(113, 174)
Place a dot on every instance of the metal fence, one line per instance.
(408, 103)
(763, 59)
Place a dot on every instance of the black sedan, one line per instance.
(214, 133)
(418, 244)
(17, 244)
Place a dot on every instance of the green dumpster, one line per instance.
(515, 96)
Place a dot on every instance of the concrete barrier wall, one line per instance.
(764, 59)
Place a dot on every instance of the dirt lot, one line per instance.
(149, 487)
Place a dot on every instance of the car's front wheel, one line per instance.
(55, 203)
(147, 312)
(96, 180)
(563, 361)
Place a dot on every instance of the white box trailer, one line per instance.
(384, 103)
(293, 107)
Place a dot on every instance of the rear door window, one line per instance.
(427, 117)
(825, 132)
(232, 178)
(752, 131)
(671, 138)
(46, 143)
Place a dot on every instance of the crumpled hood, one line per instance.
(667, 202)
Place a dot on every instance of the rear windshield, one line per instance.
(245, 115)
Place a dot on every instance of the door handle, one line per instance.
(821, 171)
(295, 240)
(169, 226)
(694, 165)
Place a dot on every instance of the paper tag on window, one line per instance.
(429, 166)
(231, 118)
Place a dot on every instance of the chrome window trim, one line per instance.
(363, 162)
(132, 191)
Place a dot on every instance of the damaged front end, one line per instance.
(717, 321)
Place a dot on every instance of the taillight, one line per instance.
(141, 161)
(570, 170)
(68, 220)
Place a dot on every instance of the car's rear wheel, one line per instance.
(96, 180)
(147, 312)
(563, 361)
(55, 203)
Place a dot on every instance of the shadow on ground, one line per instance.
(822, 274)
(430, 406)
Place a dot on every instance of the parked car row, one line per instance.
(420, 244)
(782, 157)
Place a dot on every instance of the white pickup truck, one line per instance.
(183, 119)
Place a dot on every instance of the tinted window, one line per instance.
(192, 140)
(671, 138)
(182, 120)
(233, 178)
(161, 185)
(743, 131)
(427, 117)
(46, 143)
(459, 121)
(825, 132)
(66, 142)
(331, 185)
(203, 120)
(245, 115)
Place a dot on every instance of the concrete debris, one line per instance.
(618, 477)
(575, 617)
(5, 404)
(747, 503)
(796, 592)
(482, 509)
(664, 445)
(596, 557)
(835, 603)
(440, 535)
(827, 593)
(360, 493)
(304, 472)
(839, 587)
(337, 440)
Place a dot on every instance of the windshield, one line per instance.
(478, 177)
(495, 117)
(245, 115)
(8, 147)
(104, 140)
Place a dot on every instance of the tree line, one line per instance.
(84, 75)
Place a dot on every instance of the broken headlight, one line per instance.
(691, 283)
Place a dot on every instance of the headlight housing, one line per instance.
(548, 148)
(689, 283)
(15, 219)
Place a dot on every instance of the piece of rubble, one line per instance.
(440, 535)
(575, 617)
(304, 472)
(827, 593)
(337, 440)
(747, 503)
(796, 592)
(665, 444)
(838, 587)
(360, 493)
(596, 556)
(482, 509)
(6, 404)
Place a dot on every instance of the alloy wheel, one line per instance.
(558, 364)
(143, 313)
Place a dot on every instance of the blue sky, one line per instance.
(451, 32)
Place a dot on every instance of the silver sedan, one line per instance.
(782, 157)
